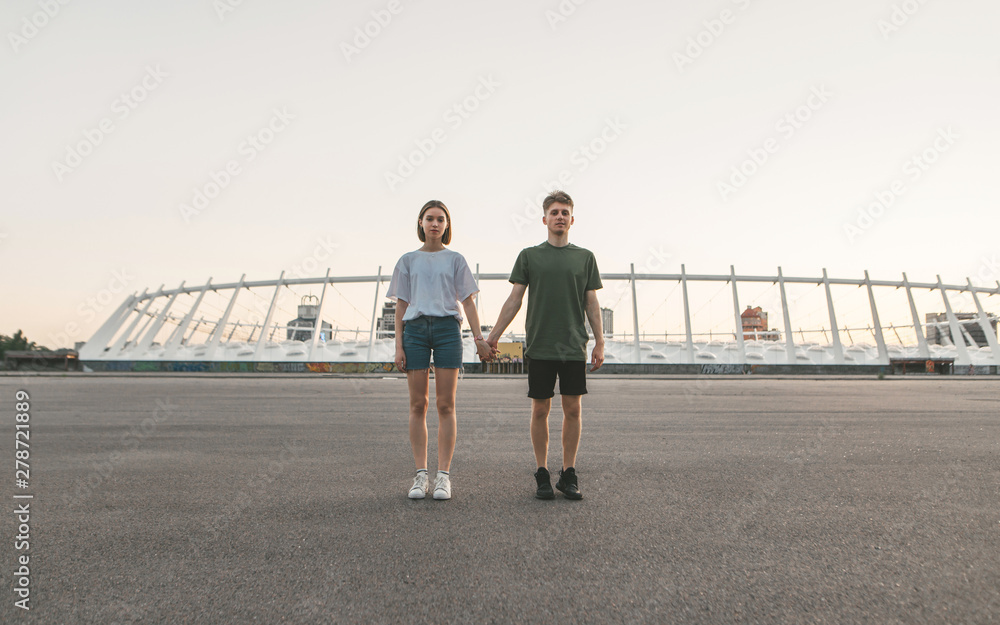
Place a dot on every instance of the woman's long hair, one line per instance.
(446, 237)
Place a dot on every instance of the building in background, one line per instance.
(160, 329)
(939, 330)
(308, 311)
(607, 323)
(41, 360)
(385, 326)
(755, 325)
(509, 360)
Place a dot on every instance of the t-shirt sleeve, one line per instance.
(593, 275)
(465, 282)
(519, 275)
(399, 285)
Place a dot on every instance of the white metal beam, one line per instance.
(173, 344)
(187, 340)
(258, 352)
(787, 318)
(984, 323)
(371, 334)
(147, 341)
(922, 348)
(635, 318)
(883, 353)
(94, 348)
(688, 337)
(740, 345)
(957, 338)
(838, 348)
(318, 326)
(124, 338)
(213, 341)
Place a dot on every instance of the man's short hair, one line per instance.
(560, 197)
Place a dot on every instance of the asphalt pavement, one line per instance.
(717, 499)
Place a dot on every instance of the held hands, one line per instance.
(487, 352)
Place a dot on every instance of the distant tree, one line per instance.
(15, 343)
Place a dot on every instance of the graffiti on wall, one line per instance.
(352, 367)
(246, 367)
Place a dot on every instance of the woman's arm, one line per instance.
(401, 307)
(482, 347)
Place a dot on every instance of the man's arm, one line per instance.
(593, 309)
(507, 313)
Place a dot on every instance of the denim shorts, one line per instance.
(442, 335)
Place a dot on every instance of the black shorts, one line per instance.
(542, 377)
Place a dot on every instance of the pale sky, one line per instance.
(116, 115)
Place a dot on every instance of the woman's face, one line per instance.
(434, 222)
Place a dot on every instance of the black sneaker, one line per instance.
(567, 484)
(544, 484)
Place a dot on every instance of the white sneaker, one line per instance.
(442, 486)
(419, 488)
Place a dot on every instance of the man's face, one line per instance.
(558, 218)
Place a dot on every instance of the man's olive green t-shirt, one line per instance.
(558, 279)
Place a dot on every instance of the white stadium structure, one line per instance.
(682, 322)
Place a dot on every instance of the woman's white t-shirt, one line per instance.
(432, 283)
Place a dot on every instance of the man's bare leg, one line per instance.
(572, 426)
(540, 429)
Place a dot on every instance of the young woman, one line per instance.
(428, 285)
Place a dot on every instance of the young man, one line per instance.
(563, 281)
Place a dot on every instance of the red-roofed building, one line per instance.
(755, 325)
